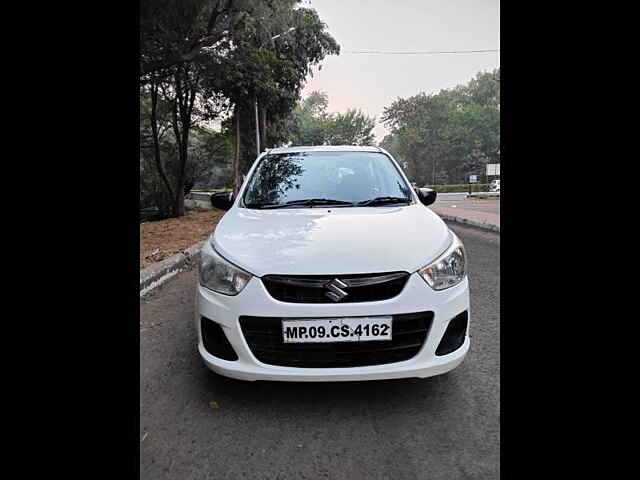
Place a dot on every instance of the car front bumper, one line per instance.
(254, 300)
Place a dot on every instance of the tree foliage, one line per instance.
(351, 128)
(214, 59)
(272, 73)
(311, 124)
(445, 137)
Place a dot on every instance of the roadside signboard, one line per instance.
(473, 179)
(493, 169)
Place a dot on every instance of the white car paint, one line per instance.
(364, 239)
(326, 240)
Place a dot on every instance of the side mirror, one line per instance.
(222, 201)
(426, 195)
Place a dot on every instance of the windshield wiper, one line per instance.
(261, 205)
(308, 201)
(383, 201)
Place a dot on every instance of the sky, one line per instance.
(372, 82)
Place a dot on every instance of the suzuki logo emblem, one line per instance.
(335, 291)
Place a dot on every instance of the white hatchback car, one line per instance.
(328, 266)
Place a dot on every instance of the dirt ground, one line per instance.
(161, 239)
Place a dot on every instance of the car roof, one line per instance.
(325, 148)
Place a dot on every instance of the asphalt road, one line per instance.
(196, 425)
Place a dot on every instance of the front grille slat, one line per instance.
(264, 337)
(312, 289)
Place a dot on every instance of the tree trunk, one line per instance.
(185, 88)
(263, 129)
(156, 140)
(184, 152)
(178, 197)
(180, 193)
(180, 200)
(236, 155)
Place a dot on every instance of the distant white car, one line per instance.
(494, 186)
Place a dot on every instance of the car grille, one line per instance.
(313, 289)
(264, 337)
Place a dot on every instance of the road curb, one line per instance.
(488, 227)
(155, 275)
(484, 195)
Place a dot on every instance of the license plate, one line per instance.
(345, 329)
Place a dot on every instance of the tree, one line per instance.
(351, 128)
(208, 153)
(201, 58)
(420, 124)
(177, 32)
(271, 73)
(176, 104)
(310, 124)
(449, 135)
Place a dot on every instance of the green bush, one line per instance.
(475, 187)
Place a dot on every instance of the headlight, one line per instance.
(448, 270)
(219, 275)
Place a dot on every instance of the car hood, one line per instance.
(327, 241)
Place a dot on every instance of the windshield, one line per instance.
(325, 178)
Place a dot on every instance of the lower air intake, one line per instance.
(215, 341)
(454, 335)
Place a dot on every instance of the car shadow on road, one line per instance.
(288, 396)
